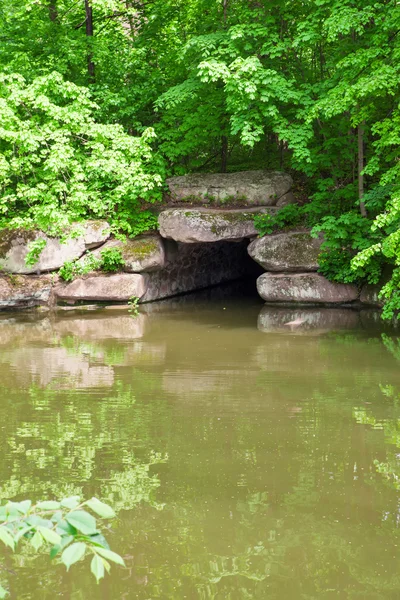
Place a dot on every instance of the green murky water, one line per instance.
(245, 463)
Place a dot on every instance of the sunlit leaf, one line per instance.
(73, 553)
(37, 540)
(50, 535)
(113, 556)
(71, 502)
(100, 508)
(97, 567)
(82, 521)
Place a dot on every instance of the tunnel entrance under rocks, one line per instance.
(197, 266)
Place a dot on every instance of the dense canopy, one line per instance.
(100, 100)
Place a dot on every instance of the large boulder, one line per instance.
(249, 188)
(95, 233)
(103, 288)
(17, 291)
(304, 288)
(15, 243)
(144, 253)
(208, 225)
(294, 251)
(370, 292)
(370, 295)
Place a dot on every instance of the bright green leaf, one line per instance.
(82, 521)
(100, 508)
(36, 540)
(113, 556)
(50, 535)
(97, 567)
(73, 553)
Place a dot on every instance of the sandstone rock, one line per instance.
(95, 233)
(294, 251)
(250, 188)
(103, 288)
(14, 246)
(24, 292)
(306, 320)
(208, 225)
(145, 253)
(304, 288)
(369, 295)
(288, 198)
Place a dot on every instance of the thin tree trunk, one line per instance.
(360, 139)
(89, 35)
(224, 154)
(53, 13)
(225, 10)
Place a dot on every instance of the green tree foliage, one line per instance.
(58, 164)
(123, 92)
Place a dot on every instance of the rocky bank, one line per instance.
(204, 239)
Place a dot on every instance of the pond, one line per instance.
(247, 458)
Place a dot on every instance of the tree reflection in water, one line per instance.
(245, 464)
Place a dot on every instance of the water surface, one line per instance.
(248, 458)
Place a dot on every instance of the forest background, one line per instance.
(101, 100)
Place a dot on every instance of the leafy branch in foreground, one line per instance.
(64, 528)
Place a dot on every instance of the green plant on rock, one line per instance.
(288, 216)
(111, 259)
(65, 529)
(35, 249)
(72, 269)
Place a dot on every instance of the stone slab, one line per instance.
(144, 253)
(208, 225)
(304, 288)
(18, 291)
(249, 188)
(103, 288)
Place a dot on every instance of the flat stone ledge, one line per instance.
(309, 288)
(209, 225)
(18, 291)
(103, 288)
(141, 254)
(249, 188)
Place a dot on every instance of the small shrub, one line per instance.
(111, 259)
(72, 269)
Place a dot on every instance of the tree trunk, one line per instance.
(53, 11)
(360, 139)
(89, 35)
(224, 154)
(225, 10)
